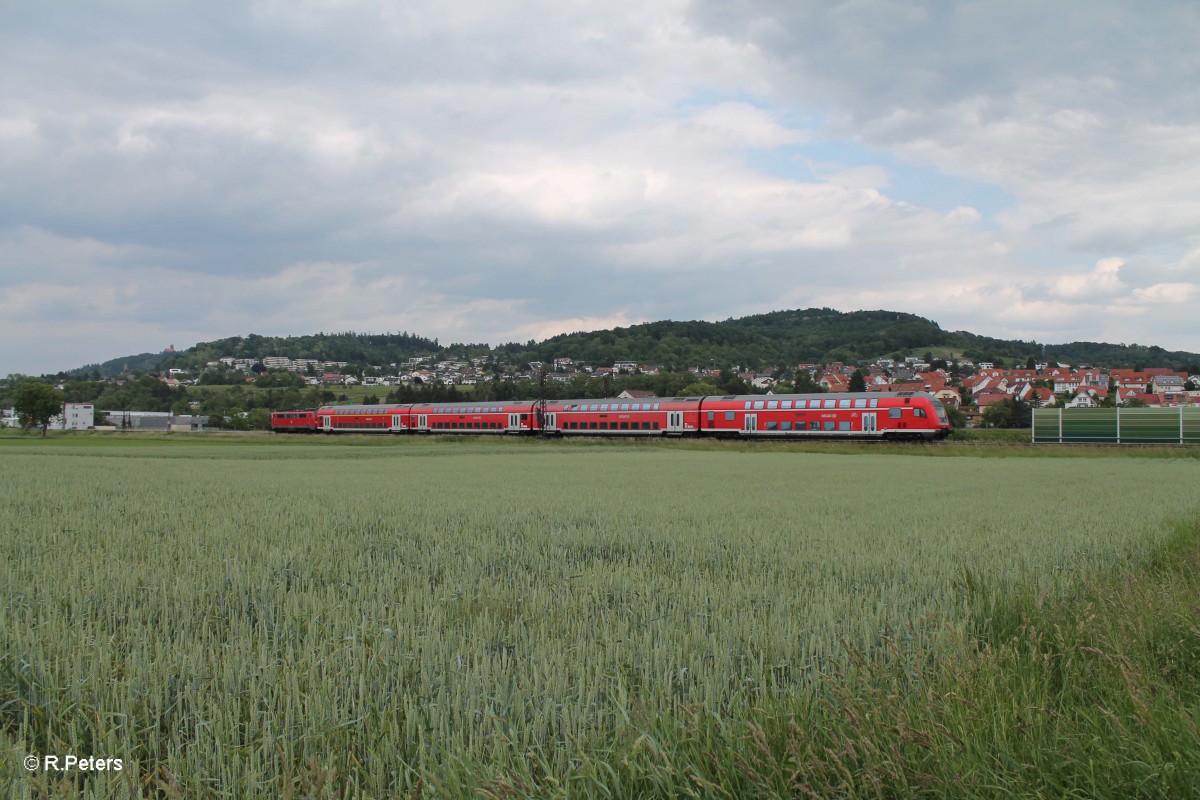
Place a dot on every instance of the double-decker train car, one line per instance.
(511, 416)
(624, 417)
(863, 415)
(381, 418)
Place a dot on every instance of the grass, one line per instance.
(370, 617)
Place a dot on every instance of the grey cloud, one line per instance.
(473, 171)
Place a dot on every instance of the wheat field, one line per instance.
(374, 622)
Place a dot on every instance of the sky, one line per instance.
(176, 172)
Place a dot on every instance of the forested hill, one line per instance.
(762, 341)
(821, 335)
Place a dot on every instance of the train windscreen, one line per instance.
(941, 411)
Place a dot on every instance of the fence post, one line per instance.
(1181, 424)
(1060, 425)
(1118, 422)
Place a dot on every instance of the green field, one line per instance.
(253, 617)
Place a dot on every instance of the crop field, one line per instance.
(424, 617)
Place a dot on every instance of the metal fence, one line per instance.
(1179, 425)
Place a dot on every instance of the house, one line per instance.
(1167, 383)
(989, 396)
(933, 380)
(636, 394)
(834, 382)
(1067, 383)
(1082, 400)
(948, 396)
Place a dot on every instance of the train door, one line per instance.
(868, 423)
(674, 422)
(514, 422)
(396, 427)
(750, 423)
(325, 423)
(550, 421)
(422, 422)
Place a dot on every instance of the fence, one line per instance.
(1179, 425)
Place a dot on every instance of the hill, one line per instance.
(760, 341)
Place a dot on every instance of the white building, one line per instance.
(78, 417)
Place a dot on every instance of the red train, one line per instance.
(867, 415)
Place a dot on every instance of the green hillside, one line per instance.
(761, 341)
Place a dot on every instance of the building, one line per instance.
(77, 417)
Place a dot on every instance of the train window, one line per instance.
(656, 409)
(860, 402)
(844, 426)
(656, 426)
(894, 413)
(624, 406)
(748, 404)
(730, 416)
(814, 426)
(828, 424)
(874, 402)
(645, 426)
(772, 405)
(786, 425)
(785, 404)
(524, 418)
(845, 403)
(591, 426)
(712, 416)
(918, 412)
(831, 403)
(772, 425)
(624, 426)
(758, 404)
(604, 406)
(603, 426)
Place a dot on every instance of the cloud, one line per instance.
(185, 172)
(1104, 280)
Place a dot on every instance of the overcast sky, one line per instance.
(174, 172)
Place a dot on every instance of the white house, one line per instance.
(77, 416)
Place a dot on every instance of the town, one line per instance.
(239, 393)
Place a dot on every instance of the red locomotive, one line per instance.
(294, 421)
(865, 415)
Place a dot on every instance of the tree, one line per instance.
(37, 403)
(699, 389)
(957, 418)
(857, 382)
(996, 415)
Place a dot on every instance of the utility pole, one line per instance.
(541, 401)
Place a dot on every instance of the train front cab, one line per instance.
(865, 415)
